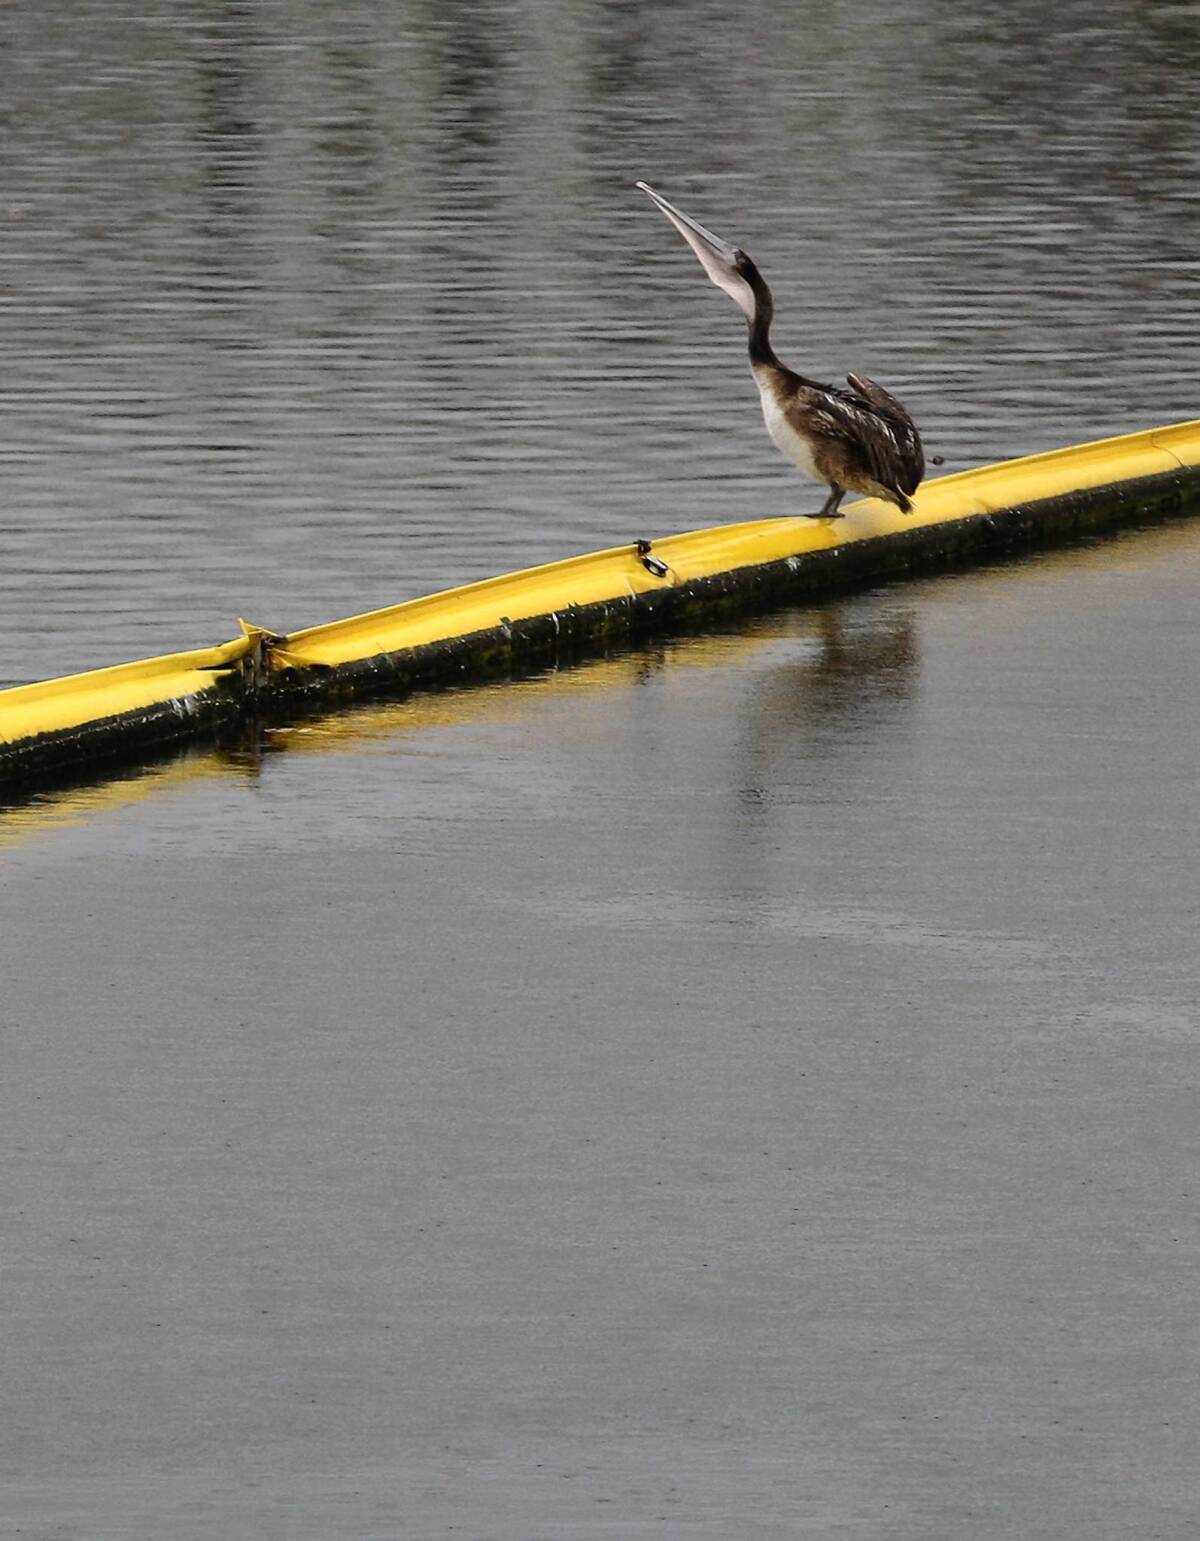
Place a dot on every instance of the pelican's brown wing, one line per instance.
(911, 449)
(884, 441)
(871, 391)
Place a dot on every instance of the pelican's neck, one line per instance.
(759, 322)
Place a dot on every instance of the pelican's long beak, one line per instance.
(718, 259)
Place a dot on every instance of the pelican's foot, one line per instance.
(823, 515)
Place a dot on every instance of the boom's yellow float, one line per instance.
(561, 610)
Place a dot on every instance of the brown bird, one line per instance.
(860, 440)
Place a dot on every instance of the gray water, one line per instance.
(739, 1088)
(308, 308)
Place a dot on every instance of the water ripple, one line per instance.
(303, 319)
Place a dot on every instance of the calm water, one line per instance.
(740, 1089)
(309, 308)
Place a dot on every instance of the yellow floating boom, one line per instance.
(527, 617)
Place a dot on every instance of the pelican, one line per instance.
(860, 440)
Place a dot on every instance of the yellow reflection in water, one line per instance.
(62, 807)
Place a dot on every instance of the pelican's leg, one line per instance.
(829, 507)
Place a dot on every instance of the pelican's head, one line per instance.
(728, 266)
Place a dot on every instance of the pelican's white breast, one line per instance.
(793, 444)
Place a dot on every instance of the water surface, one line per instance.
(740, 1088)
(309, 309)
